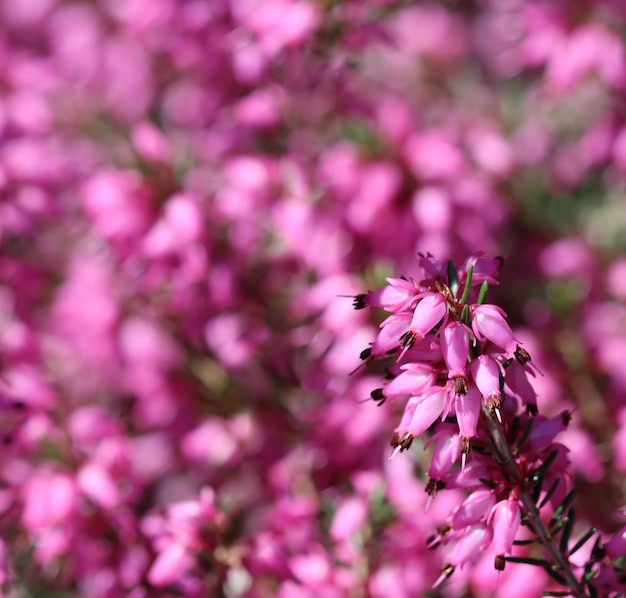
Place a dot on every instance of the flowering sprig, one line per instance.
(464, 376)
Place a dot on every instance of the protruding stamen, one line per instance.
(407, 340)
(378, 396)
(522, 356)
(359, 302)
(460, 386)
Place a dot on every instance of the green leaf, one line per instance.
(567, 530)
(468, 284)
(483, 292)
(545, 466)
(537, 488)
(567, 501)
(582, 541)
(524, 437)
(550, 492)
(465, 315)
(453, 281)
(587, 577)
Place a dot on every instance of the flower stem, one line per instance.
(531, 511)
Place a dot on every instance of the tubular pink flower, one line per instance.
(399, 295)
(391, 330)
(516, 384)
(414, 380)
(467, 408)
(445, 452)
(544, 431)
(432, 267)
(486, 374)
(428, 409)
(469, 546)
(485, 269)
(454, 348)
(428, 313)
(488, 323)
(505, 519)
(473, 509)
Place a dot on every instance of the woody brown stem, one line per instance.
(530, 509)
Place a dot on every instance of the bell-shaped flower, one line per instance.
(430, 406)
(432, 267)
(445, 452)
(470, 544)
(454, 349)
(486, 374)
(473, 509)
(485, 269)
(391, 330)
(488, 323)
(505, 518)
(467, 409)
(402, 435)
(425, 349)
(399, 295)
(516, 384)
(414, 379)
(544, 430)
(428, 313)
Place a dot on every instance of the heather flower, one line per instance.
(454, 349)
(488, 323)
(414, 379)
(473, 509)
(505, 518)
(486, 373)
(397, 296)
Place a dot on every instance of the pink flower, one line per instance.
(488, 323)
(473, 509)
(469, 546)
(486, 374)
(414, 380)
(445, 452)
(505, 519)
(428, 313)
(399, 295)
(455, 348)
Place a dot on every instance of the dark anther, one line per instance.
(407, 340)
(460, 386)
(433, 486)
(365, 354)
(465, 445)
(404, 442)
(359, 301)
(378, 396)
(494, 402)
(499, 562)
(566, 418)
(531, 409)
(522, 356)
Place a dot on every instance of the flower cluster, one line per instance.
(464, 376)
